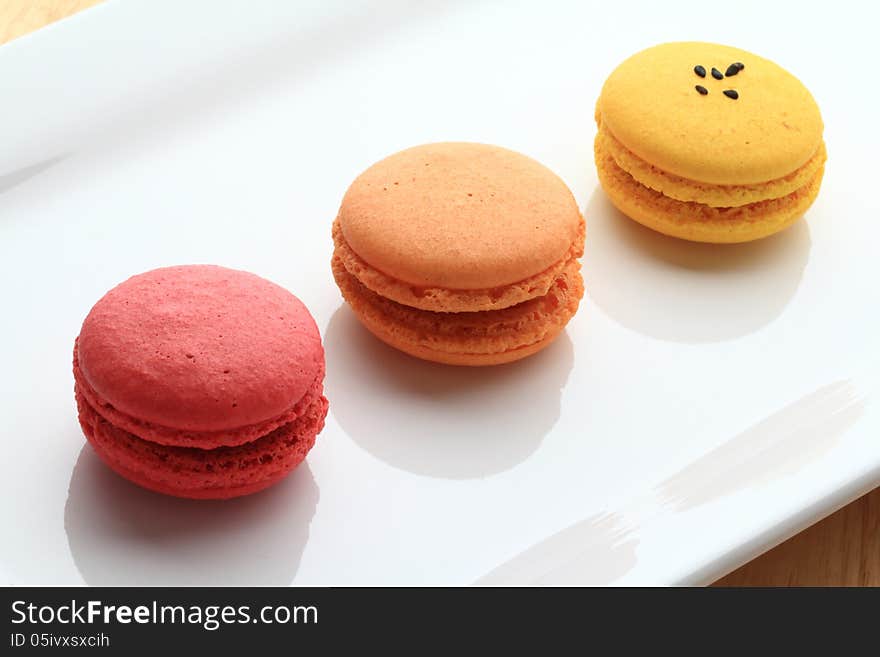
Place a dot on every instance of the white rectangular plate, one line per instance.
(705, 403)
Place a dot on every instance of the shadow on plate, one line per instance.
(594, 552)
(682, 291)
(778, 445)
(296, 53)
(441, 420)
(15, 178)
(123, 535)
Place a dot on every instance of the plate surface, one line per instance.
(706, 402)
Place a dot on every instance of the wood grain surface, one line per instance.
(842, 550)
(19, 17)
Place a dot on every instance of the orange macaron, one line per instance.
(460, 253)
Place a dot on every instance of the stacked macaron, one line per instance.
(200, 381)
(460, 253)
(708, 143)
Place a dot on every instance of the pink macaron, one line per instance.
(200, 381)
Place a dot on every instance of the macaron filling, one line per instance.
(438, 299)
(466, 333)
(719, 196)
(795, 202)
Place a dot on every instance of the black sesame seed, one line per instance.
(699, 70)
(702, 90)
(731, 93)
(717, 74)
(732, 70)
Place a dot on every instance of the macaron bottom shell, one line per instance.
(479, 338)
(219, 473)
(699, 222)
(470, 360)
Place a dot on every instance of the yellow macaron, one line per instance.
(708, 143)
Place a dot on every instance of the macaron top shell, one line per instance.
(765, 127)
(459, 216)
(200, 348)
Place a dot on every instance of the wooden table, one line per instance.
(843, 549)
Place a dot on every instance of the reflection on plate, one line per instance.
(441, 420)
(123, 535)
(682, 291)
